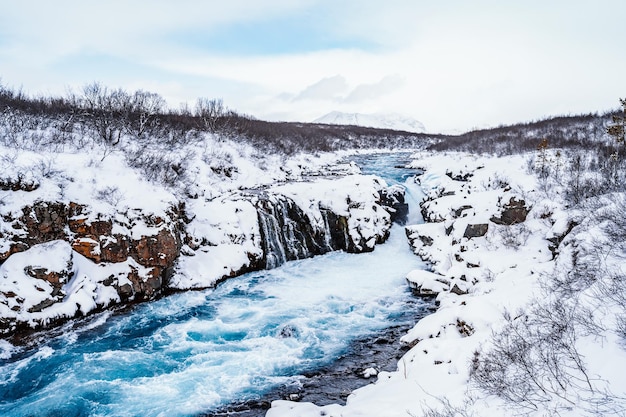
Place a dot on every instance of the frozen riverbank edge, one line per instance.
(517, 331)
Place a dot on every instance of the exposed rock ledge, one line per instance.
(59, 260)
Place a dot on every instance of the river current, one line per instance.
(189, 353)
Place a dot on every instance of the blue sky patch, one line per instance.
(284, 35)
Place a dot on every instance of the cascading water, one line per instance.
(271, 232)
(286, 233)
(193, 352)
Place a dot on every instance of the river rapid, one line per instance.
(189, 353)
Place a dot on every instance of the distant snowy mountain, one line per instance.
(377, 120)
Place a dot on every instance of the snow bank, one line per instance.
(491, 241)
(50, 282)
(121, 236)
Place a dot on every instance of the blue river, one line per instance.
(189, 353)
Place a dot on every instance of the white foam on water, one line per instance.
(7, 349)
(190, 352)
(11, 372)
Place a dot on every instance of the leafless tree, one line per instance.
(209, 111)
(105, 111)
(145, 107)
(617, 129)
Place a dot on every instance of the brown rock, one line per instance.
(18, 184)
(87, 247)
(145, 287)
(78, 224)
(459, 212)
(475, 230)
(76, 209)
(101, 227)
(44, 221)
(114, 248)
(14, 248)
(56, 278)
(456, 290)
(512, 213)
(40, 306)
(159, 250)
(52, 277)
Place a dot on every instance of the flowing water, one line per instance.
(192, 352)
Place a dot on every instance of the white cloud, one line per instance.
(330, 88)
(452, 65)
(363, 92)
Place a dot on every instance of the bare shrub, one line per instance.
(110, 194)
(514, 236)
(613, 289)
(617, 129)
(621, 327)
(209, 111)
(580, 183)
(613, 219)
(499, 181)
(46, 168)
(446, 409)
(533, 362)
(106, 111)
(580, 274)
(143, 115)
(220, 161)
(161, 165)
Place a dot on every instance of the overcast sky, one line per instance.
(453, 65)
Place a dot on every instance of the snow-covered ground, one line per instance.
(80, 232)
(530, 319)
(530, 287)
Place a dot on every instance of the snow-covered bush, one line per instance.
(163, 166)
(533, 362)
(514, 236)
(580, 183)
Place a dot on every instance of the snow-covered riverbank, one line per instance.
(78, 234)
(516, 331)
(192, 352)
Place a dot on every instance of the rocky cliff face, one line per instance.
(58, 262)
(60, 259)
(152, 242)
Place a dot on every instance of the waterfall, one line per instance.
(336, 232)
(286, 232)
(270, 234)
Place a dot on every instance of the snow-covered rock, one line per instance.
(426, 283)
(117, 255)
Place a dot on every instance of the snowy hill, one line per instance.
(377, 120)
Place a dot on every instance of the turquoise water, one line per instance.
(191, 352)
